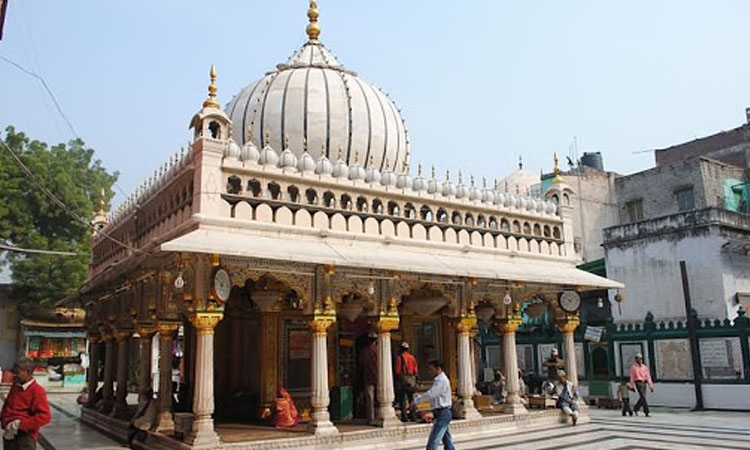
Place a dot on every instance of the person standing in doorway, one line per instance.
(25, 409)
(368, 360)
(406, 382)
(441, 403)
(640, 377)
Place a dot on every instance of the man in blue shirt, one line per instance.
(441, 402)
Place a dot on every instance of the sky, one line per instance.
(480, 83)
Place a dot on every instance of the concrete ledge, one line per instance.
(114, 428)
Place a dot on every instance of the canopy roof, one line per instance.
(387, 256)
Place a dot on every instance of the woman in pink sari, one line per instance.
(286, 412)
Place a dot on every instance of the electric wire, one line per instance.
(13, 248)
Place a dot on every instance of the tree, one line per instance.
(30, 219)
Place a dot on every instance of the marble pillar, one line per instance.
(568, 326)
(120, 410)
(108, 399)
(508, 327)
(165, 419)
(465, 373)
(94, 361)
(202, 432)
(146, 334)
(320, 420)
(385, 415)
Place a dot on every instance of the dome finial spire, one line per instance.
(313, 29)
(211, 102)
(558, 178)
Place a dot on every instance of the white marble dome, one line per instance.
(313, 98)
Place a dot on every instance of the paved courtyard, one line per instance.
(671, 429)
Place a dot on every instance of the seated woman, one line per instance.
(286, 412)
(567, 396)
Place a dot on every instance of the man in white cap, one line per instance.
(368, 361)
(640, 376)
(567, 396)
(406, 382)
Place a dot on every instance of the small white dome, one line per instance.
(388, 178)
(403, 181)
(233, 150)
(510, 200)
(449, 190)
(419, 183)
(520, 202)
(356, 172)
(540, 206)
(487, 195)
(433, 185)
(499, 198)
(306, 163)
(474, 192)
(372, 175)
(340, 169)
(287, 159)
(323, 166)
(530, 204)
(249, 152)
(268, 156)
(551, 207)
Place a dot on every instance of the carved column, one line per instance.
(109, 371)
(165, 422)
(385, 415)
(320, 421)
(568, 326)
(465, 376)
(120, 410)
(146, 333)
(508, 327)
(202, 433)
(94, 356)
(269, 303)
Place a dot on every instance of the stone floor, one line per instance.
(672, 429)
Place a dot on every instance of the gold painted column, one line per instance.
(465, 373)
(320, 421)
(108, 399)
(94, 356)
(120, 410)
(165, 420)
(568, 326)
(203, 433)
(385, 415)
(508, 327)
(146, 333)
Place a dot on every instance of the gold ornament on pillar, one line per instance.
(321, 322)
(569, 323)
(145, 330)
(211, 101)
(387, 323)
(205, 322)
(467, 323)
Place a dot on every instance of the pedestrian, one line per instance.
(368, 361)
(25, 409)
(441, 403)
(406, 382)
(640, 377)
(623, 394)
(567, 396)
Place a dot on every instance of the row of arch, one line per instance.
(408, 210)
(386, 227)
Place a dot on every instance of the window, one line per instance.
(635, 210)
(685, 200)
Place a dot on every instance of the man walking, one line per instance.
(640, 376)
(441, 402)
(406, 382)
(368, 361)
(25, 409)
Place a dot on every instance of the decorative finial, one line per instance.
(286, 142)
(387, 164)
(433, 171)
(101, 201)
(211, 100)
(419, 169)
(304, 145)
(558, 178)
(267, 139)
(313, 29)
(322, 149)
(356, 157)
(249, 135)
(447, 175)
(460, 177)
(520, 162)
(371, 162)
(341, 154)
(471, 178)
(484, 182)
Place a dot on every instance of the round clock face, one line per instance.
(222, 285)
(570, 301)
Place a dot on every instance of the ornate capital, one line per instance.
(107, 334)
(321, 322)
(466, 324)
(387, 323)
(508, 325)
(166, 328)
(569, 324)
(145, 330)
(205, 322)
(123, 334)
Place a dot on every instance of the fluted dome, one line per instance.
(312, 97)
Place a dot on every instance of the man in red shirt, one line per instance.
(640, 376)
(25, 409)
(406, 382)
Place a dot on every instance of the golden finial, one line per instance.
(447, 175)
(304, 145)
(267, 139)
(371, 162)
(102, 202)
(558, 178)
(211, 100)
(341, 154)
(249, 135)
(433, 171)
(322, 149)
(419, 169)
(313, 29)
(356, 157)
(286, 142)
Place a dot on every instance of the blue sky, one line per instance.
(479, 82)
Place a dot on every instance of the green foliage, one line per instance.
(28, 218)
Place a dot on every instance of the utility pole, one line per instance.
(692, 333)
